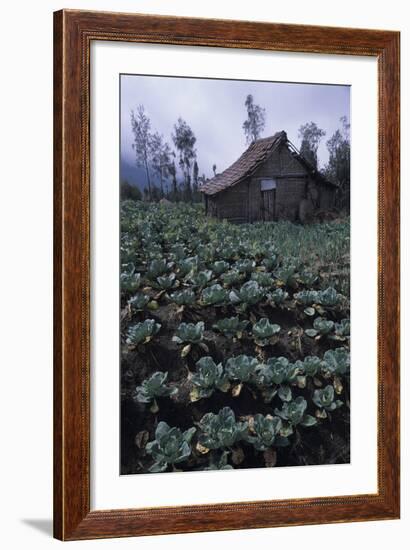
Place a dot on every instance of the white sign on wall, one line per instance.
(268, 184)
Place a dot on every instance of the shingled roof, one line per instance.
(245, 165)
(250, 160)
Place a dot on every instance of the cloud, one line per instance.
(215, 111)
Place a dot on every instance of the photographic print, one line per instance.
(234, 274)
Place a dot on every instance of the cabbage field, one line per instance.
(234, 341)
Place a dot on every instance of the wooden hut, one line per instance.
(270, 181)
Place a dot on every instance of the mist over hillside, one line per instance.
(134, 175)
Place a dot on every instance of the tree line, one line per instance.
(159, 160)
(155, 155)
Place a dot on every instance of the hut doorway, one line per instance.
(268, 190)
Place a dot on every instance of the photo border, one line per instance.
(73, 33)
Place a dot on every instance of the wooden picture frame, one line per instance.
(74, 32)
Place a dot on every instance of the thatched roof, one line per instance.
(250, 160)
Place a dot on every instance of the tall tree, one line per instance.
(184, 140)
(141, 128)
(161, 158)
(338, 167)
(310, 135)
(214, 169)
(195, 175)
(173, 173)
(255, 123)
(196, 182)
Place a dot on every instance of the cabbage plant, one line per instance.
(220, 267)
(187, 265)
(249, 294)
(241, 368)
(278, 296)
(271, 261)
(336, 361)
(142, 333)
(201, 278)
(166, 281)
(310, 365)
(189, 333)
(245, 266)
(307, 278)
(138, 302)
(330, 297)
(154, 386)
(130, 282)
(231, 327)
(286, 274)
(262, 278)
(178, 252)
(276, 370)
(342, 330)
(169, 447)
(213, 295)
(295, 413)
(321, 327)
(263, 331)
(157, 267)
(221, 430)
(307, 297)
(208, 377)
(230, 278)
(274, 378)
(325, 399)
(265, 432)
(184, 297)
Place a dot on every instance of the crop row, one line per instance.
(276, 377)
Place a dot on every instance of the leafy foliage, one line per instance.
(154, 386)
(294, 413)
(336, 361)
(321, 327)
(231, 327)
(166, 281)
(139, 301)
(263, 331)
(277, 370)
(241, 368)
(183, 297)
(142, 333)
(255, 122)
(189, 333)
(325, 398)
(250, 293)
(220, 431)
(213, 295)
(209, 376)
(278, 296)
(130, 282)
(265, 432)
(170, 446)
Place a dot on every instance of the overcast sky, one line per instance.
(215, 111)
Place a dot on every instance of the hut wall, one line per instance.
(289, 193)
(232, 204)
(291, 185)
(255, 200)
